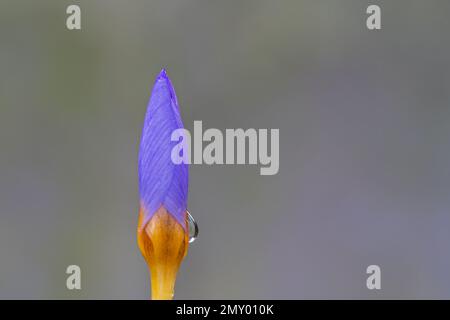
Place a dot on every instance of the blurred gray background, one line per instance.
(364, 146)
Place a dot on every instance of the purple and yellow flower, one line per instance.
(163, 187)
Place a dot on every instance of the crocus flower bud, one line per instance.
(163, 187)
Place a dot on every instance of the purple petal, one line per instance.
(161, 182)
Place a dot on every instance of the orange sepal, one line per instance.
(163, 243)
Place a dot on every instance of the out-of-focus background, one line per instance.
(364, 119)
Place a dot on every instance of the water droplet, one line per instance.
(193, 228)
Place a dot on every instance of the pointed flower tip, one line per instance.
(166, 84)
(163, 74)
